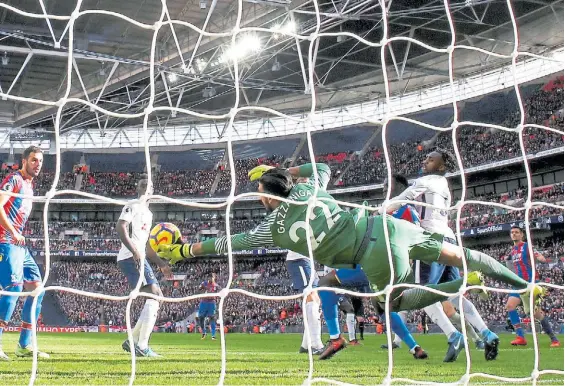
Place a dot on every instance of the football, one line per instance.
(163, 233)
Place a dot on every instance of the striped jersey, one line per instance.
(17, 209)
(209, 287)
(407, 212)
(519, 257)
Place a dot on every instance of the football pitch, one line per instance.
(88, 358)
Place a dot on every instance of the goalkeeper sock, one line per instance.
(546, 327)
(350, 321)
(25, 334)
(478, 261)
(416, 298)
(472, 317)
(149, 317)
(515, 320)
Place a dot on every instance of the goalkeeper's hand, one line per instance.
(174, 252)
(258, 171)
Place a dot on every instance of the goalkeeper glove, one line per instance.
(175, 252)
(258, 171)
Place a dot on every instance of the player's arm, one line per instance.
(122, 228)
(256, 238)
(307, 170)
(538, 256)
(10, 186)
(411, 193)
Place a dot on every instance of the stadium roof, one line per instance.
(111, 55)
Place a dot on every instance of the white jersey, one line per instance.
(431, 189)
(140, 218)
(291, 256)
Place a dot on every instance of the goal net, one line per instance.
(390, 108)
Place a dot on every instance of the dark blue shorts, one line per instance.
(206, 309)
(17, 266)
(353, 278)
(299, 271)
(130, 270)
(436, 273)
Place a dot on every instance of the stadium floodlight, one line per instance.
(200, 64)
(276, 65)
(209, 92)
(5, 59)
(203, 4)
(248, 44)
(289, 27)
(172, 77)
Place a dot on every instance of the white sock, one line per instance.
(436, 314)
(137, 328)
(315, 323)
(148, 317)
(350, 320)
(471, 314)
(471, 333)
(403, 315)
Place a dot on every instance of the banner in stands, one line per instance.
(534, 224)
(247, 252)
(55, 329)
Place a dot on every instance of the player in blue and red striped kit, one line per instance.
(207, 307)
(519, 261)
(18, 270)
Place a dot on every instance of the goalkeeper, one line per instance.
(339, 241)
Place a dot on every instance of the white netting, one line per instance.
(165, 21)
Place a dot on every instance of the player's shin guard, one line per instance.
(25, 334)
(546, 327)
(329, 309)
(515, 320)
(478, 261)
(398, 326)
(7, 306)
(149, 315)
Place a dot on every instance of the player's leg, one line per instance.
(511, 304)
(11, 280)
(346, 306)
(451, 312)
(359, 312)
(300, 272)
(202, 315)
(212, 320)
(329, 300)
(32, 280)
(546, 326)
(148, 316)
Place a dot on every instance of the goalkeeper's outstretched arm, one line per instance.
(258, 237)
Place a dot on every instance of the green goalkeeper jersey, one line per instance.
(333, 232)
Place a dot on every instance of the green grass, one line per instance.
(257, 359)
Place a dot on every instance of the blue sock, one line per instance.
(400, 329)
(329, 309)
(213, 327)
(7, 306)
(515, 320)
(25, 334)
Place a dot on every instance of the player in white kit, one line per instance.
(433, 189)
(133, 227)
(299, 269)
